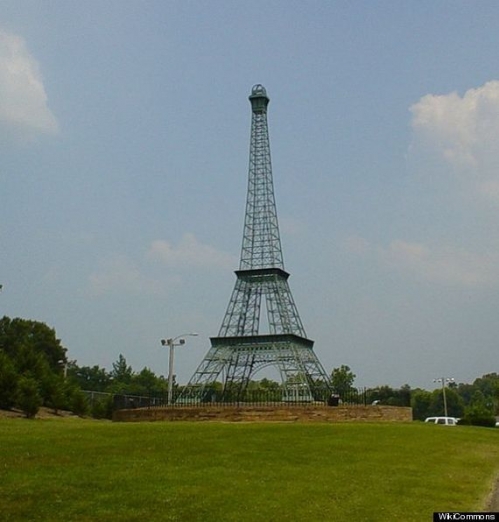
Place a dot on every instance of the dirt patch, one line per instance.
(493, 500)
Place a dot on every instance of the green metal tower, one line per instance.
(241, 349)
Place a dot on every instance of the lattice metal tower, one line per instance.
(240, 350)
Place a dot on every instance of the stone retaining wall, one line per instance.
(268, 413)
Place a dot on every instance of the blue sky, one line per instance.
(124, 137)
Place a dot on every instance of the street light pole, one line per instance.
(64, 364)
(443, 380)
(171, 345)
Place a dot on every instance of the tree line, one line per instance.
(35, 371)
(476, 403)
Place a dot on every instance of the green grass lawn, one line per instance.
(83, 470)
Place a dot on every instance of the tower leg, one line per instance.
(303, 378)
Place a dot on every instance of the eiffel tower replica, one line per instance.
(240, 350)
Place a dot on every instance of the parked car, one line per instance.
(445, 421)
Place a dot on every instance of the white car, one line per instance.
(445, 421)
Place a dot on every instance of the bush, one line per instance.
(103, 409)
(485, 420)
(78, 402)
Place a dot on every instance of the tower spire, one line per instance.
(245, 344)
(261, 241)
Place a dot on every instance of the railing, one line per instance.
(271, 398)
(216, 398)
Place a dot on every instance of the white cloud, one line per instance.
(463, 131)
(458, 133)
(464, 128)
(190, 252)
(23, 100)
(441, 264)
(120, 274)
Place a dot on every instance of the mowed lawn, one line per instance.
(84, 470)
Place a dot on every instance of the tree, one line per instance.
(466, 392)
(103, 408)
(455, 404)
(420, 402)
(34, 335)
(78, 402)
(122, 373)
(29, 399)
(146, 383)
(489, 385)
(55, 393)
(267, 389)
(480, 412)
(342, 380)
(35, 353)
(30, 362)
(389, 396)
(269, 384)
(89, 378)
(8, 382)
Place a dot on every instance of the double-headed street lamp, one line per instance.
(171, 343)
(444, 380)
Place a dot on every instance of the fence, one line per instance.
(218, 398)
(352, 397)
(121, 401)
